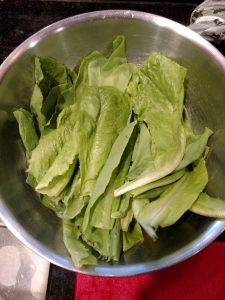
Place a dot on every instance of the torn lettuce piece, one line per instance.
(49, 106)
(73, 200)
(195, 144)
(126, 220)
(158, 183)
(123, 209)
(80, 252)
(157, 100)
(116, 243)
(52, 184)
(138, 205)
(106, 242)
(100, 215)
(49, 73)
(56, 206)
(27, 130)
(209, 206)
(53, 160)
(107, 204)
(176, 200)
(110, 165)
(53, 73)
(154, 193)
(97, 130)
(36, 103)
(132, 237)
(114, 71)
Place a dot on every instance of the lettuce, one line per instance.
(111, 151)
(53, 160)
(27, 130)
(157, 100)
(209, 206)
(176, 200)
(97, 130)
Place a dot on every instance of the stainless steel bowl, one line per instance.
(67, 41)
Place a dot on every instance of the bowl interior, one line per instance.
(68, 41)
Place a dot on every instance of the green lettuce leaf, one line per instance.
(177, 199)
(138, 205)
(157, 100)
(106, 242)
(49, 73)
(158, 183)
(154, 193)
(73, 200)
(51, 100)
(36, 103)
(105, 176)
(97, 130)
(27, 130)
(107, 204)
(80, 252)
(132, 237)
(97, 70)
(126, 220)
(195, 144)
(53, 73)
(209, 206)
(53, 160)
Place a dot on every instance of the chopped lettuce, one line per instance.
(176, 200)
(80, 252)
(111, 164)
(97, 130)
(111, 151)
(132, 237)
(27, 130)
(157, 100)
(114, 71)
(53, 160)
(209, 206)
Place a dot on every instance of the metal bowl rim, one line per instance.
(127, 270)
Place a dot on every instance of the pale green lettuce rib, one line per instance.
(157, 95)
(97, 129)
(49, 73)
(53, 160)
(209, 206)
(27, 130)
(195, 144)
(177, 199)
(158, 183)
(138, 205)
(132, 237)
(98, 70)
(80, 252)
(111, 164)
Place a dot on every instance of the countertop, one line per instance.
(20, 19)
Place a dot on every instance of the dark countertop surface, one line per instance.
(20, 19)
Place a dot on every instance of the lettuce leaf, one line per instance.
(49, 74)
(80, 252)
(138, 205)
(158, 183)
(97, 130)
(195, 144)
(27, 130)
(132, 237)
(114, 71)
(157, 100)
(53, 160)
(177, 199)
(105, 176)
(209, 206)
